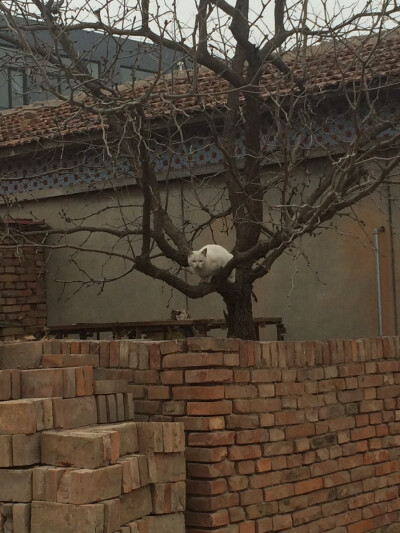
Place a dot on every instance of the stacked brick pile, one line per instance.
(298, 437)
(23, 307)
(71, 458)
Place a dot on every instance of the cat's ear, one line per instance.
(204, 252)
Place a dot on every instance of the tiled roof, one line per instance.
(330, 68)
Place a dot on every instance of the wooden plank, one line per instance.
(137, 328)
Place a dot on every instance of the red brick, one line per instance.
(222, 407)
(5, 385)
(210, 519)
(147, 407)
(267, 419)
(238, 453)
(135, 504)
(251, 436)
(25, 449)
(271, 375)
(258, 481)
(16, 485)
(89, 486)
(158, 392)
(172, 377)
(216, 392)
(308, 485)
(376, 457)
(385, 494)
(241, 391)
(277, 492)
(241, 376)
(204, 344)
(215, 438)
(207, 375)
(258, 510)
(80, 448)
(386, 468)
(196, 423)
(300, 430)
(42, 383)
(247, 527)
(251, 496)
(264, 525)
(201, 487)
(74, 412)
(363, 433)
(278, 448)
(146, 377)
(284, 389)
(150, 437)
(80, 383)
(231, 359)
(242, 421)
(104, 354)
(281, 522)
(209, 471)
(257, 405)
(345, 463)
(154, 357)
(214, 502)
(246, 467)
(289, 417)
(238, 483)
(6, 457)
(50, 516)
(263, 465)
(324, 467)
(17, 416)
(206, 455)
(338, 478)
(187, 360)
(307, 515)
(166, 467)
(361, 501)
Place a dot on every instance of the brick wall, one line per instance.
(23, 308)
(297, 437)
(281, 436)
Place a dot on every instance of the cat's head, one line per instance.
(197, 259)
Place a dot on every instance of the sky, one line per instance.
(127, 14)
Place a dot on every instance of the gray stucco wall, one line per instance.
(326, 288)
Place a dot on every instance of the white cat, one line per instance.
(209, 260)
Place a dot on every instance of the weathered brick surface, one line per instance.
(15, 485)
(301, 436)
(49, 516)
(62, 471)
(22, 285)
(79, 448)
(280, 436)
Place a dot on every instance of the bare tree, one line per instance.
(268, 85)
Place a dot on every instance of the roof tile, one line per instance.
(320, 70)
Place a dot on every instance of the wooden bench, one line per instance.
(160, 328)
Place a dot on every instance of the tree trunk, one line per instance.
(239, 316)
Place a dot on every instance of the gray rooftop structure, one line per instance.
(115, 60)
